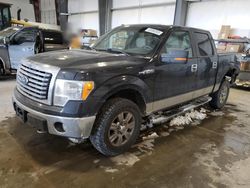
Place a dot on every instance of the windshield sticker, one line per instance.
(154, 31)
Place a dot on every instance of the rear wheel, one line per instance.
(220, 97)
(117, 127)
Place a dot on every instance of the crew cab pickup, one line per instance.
(130, 75)
(20, 42)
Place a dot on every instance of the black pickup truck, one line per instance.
(130, 77)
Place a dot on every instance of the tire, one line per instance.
(2, 72)
(110, 135)
(219, 98)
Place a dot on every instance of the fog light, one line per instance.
(59, 127)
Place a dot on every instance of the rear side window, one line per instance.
(204, 44)
(178, 40)
(51, 37)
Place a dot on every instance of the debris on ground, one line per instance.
(164, 134)
(109, 169)
(216, 113)
(128, 159)
(96, 161)
(150, 136)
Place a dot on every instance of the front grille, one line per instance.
(34, 83)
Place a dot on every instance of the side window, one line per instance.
(6, 15)
(204, 44)
(51, 37)
(25, 35)
(178, 40)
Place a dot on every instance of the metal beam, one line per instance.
(62, 7)
(144, 6)
(37, 10)
(83, 12)
(105, 7)
(180, 15)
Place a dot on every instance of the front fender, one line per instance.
(119, 83)
(116, 84)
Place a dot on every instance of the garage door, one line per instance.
(143, 11)
(84, 14)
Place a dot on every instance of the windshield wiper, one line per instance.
(117, 51)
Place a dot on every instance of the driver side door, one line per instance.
(22, 45)
(175, 81)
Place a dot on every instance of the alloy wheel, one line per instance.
(121, 129)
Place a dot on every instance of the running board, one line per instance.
(168, 115)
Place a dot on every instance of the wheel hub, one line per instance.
(121, 128)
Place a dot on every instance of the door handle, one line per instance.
(194, 68)
(214, 66)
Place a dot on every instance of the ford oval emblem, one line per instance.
(23, 79)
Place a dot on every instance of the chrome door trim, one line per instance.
(172, 101)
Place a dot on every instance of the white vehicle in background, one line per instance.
(21, 42)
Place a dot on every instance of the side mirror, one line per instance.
(175, 56)
(6, 40)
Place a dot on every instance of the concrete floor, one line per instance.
(214, 153)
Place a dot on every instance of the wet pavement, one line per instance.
(214, 152)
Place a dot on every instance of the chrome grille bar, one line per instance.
(33, 89)
(34, 82)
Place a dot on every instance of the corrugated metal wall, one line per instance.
(212, 14)
(147, 11)
(48, 11)
(85, 14)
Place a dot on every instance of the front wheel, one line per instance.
(117, 127)
(220, 97)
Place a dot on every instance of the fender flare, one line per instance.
(119, 83)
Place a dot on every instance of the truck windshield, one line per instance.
(130, 40)
(8, 32)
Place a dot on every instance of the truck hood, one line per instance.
(84, 59)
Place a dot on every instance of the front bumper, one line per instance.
(57, 125)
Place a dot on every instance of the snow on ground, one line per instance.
(189, 118)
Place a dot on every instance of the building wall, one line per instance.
(85, 14)
(27, 9)
(162, 14)
(48, 11)
(212, 14)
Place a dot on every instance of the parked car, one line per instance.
(20, 42)
(132, 73)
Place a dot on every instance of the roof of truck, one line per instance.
(160, 26)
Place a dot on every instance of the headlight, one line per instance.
(66, 90)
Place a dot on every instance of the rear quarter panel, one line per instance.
(226, 62)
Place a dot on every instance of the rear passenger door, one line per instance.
(207, 63)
